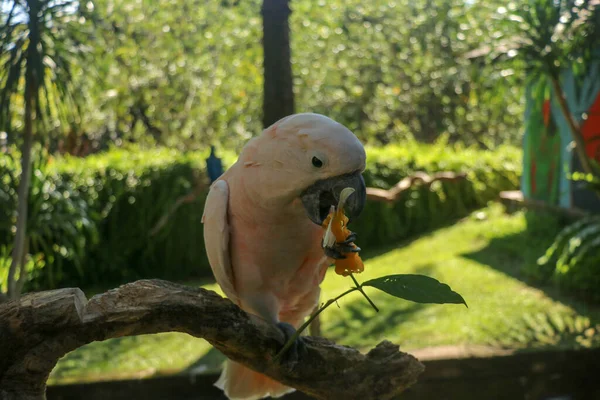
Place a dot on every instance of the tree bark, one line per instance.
(23, 272)
(40, 328)
(278, 101)
(514, 199)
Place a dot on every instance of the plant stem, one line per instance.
(359, 287)
(307, 323)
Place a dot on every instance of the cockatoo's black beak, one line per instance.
(319, 197)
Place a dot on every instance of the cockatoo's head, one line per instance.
(310, 158)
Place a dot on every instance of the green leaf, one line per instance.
(417, 288)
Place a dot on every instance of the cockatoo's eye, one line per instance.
(318, 159)
(317, 162)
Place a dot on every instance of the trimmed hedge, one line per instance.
(421, 208)
(130, 190)
(127, 191)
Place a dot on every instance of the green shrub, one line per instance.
(127, 191)
(573, 260)
(386, 165)
(59, 226)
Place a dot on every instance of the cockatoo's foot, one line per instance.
(351, 238)
(338, 249)
(298, 348)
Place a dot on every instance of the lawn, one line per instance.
(481, 257)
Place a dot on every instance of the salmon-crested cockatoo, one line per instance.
(262, 227)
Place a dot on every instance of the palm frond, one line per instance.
(13, 66)
(58, 29)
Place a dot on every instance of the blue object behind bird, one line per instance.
(214, 166)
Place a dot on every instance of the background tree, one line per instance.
(396, 69)
(182, 74)
(40, 42)
(278, 100)
(188, 74)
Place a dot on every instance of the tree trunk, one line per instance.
(573, 126)
(23, 192)
(278, 99)
(32, 81)
(23, 270)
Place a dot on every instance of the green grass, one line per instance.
(481, 257)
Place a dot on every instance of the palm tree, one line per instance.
(40, 48)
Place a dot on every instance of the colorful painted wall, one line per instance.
(548, 157)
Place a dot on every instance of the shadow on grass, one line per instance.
(392, 313)
(516, 256)
(211, 362)
(98, 353)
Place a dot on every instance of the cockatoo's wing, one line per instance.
(216, 237)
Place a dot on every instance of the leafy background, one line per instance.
(186, 74)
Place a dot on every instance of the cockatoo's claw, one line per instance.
(337, 251)
(351, 238)
(333, 252)
(345, 248)
(298, 348)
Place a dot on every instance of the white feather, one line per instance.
(329, 238)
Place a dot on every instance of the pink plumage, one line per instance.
(264, 249)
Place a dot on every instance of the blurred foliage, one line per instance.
(125, 192)
(189, 73)
(389, 69)
(573, 260)
(588, 181)
(179, 73)
(549, 36)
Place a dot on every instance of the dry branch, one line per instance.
(514, 198)
(40, 328)
(198, 189)
(418, 178)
